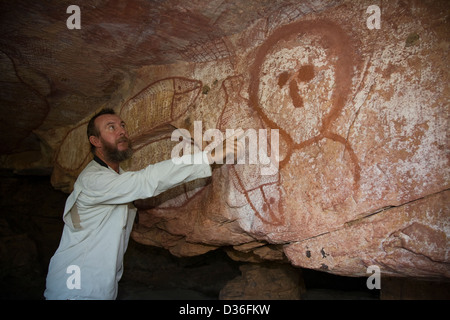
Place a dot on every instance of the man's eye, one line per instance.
(111, 127)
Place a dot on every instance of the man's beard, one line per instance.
(112, 153)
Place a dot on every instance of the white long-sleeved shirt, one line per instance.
(98, 219)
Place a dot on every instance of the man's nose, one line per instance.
(123, 131)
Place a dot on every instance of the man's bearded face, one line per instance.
(112, 152)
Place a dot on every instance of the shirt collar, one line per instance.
(103, 164)
(100, 162)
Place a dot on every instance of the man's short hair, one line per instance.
(92, 130)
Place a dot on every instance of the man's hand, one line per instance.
(231, 146)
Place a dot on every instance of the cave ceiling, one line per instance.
(52, 76)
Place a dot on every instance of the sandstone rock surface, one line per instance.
(362, 117)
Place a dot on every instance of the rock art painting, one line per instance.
(363, 147)
(275, 92)
(158, 104)
(275, 95)
(68, 158)
(259, 191)
(271, 106)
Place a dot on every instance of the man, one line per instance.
(98, 214)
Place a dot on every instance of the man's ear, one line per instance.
(95, 141)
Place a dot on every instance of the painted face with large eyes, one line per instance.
(300, 82)
(296, 85)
